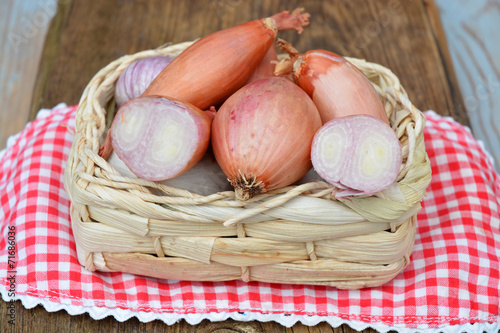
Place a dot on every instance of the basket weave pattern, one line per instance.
(296, 234)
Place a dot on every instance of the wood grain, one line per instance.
(88, 34)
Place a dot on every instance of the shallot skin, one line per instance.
(137, 77)
(262, 134)
(265, 68)
(337, 87)
(163, 143)
(225, 59)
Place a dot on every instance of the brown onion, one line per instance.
(262, 134)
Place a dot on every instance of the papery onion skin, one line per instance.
(162, 143)
(262, 134)
(359, 155)
(266, 67)
(337, 87)
(137, 77)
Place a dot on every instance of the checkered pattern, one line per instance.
(453, 277)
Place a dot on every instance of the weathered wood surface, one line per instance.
(23, 25)
(473, 34)
(86, 35)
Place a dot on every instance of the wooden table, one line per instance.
(85, 35)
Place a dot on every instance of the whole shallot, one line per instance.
(337, 87)
(262, 134)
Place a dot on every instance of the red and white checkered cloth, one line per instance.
(452, 282)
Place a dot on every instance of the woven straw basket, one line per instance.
(296, 234)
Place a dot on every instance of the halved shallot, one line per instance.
(262, 134)
(360, 155)
(162, 143)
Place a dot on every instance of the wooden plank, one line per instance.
(472, 36)
(23, 25)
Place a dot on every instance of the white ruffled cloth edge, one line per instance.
(122, 315)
